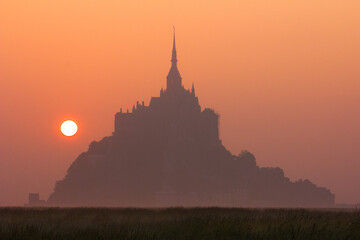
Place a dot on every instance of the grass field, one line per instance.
(177, 223)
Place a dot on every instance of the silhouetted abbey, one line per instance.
(175, 116)
(169, 154)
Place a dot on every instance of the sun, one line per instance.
(69, 128)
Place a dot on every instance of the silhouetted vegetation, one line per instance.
(177, 223)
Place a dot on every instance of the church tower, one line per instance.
(173, 78)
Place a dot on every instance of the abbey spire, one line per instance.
(173, 78)
(174, 57)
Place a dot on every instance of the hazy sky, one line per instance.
(283, 75)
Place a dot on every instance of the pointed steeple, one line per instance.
(174, 57)
(174, 78)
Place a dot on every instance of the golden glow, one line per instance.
(69, 128)
(283, 75)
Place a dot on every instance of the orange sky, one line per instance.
(283, 75)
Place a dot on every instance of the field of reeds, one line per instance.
(177, 223)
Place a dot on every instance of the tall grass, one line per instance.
(177, 223)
